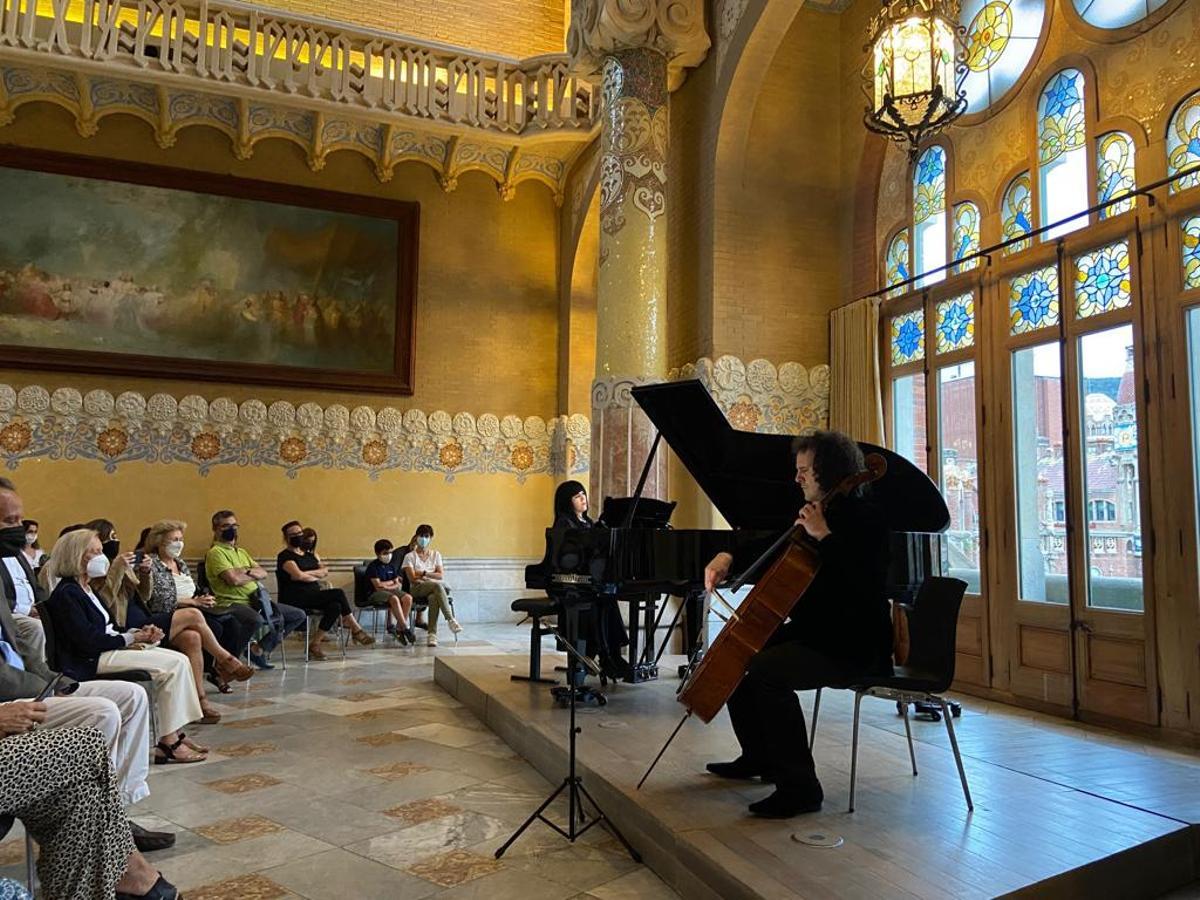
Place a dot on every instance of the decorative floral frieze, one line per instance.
(36, 423)
(758, 396)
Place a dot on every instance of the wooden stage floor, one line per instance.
(1061, 810)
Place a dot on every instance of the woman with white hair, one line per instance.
(89, 644)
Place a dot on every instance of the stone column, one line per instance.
(639, 49)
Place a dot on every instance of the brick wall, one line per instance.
(517, 28)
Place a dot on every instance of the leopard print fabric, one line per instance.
(60, 784)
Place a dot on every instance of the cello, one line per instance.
(710, 684)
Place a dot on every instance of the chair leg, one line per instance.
(962, 774)
(812, 729)
(912, 754)
(854, 749)
(30, 870)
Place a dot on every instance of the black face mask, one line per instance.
(309, 544)
(229, 533)
(111, 549)
(295, 540)
(12, 540)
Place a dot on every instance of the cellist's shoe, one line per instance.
(740, 768)
(788, 802)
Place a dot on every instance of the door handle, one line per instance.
(1085, 627)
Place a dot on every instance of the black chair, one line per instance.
(204, 586)
(362, 596)
(536, 608)
(928, 673)
(139, 677)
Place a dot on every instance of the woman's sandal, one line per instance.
(192, 745)
(161, 890)
(211, 715)
(169, 753)
(219, 683)
(232, 669)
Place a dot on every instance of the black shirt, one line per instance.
(382, 571)
(288, 586)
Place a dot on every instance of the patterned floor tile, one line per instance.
(261, 748)
(383, 739)
(230, 831)
(251, 723)
(398, 770)
(243, 784)
(245, 887)
(422, 811)
(455, 867)
(361, 697)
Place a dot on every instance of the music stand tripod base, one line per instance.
(573, 785)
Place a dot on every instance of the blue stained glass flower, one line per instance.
(908, 338)
(1033, 300)
(931, 167)
(1062, 94)
(954, 324)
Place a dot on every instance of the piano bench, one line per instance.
(536, 608)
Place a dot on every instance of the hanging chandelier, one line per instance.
(916, 64)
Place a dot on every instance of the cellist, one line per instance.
(839, 629)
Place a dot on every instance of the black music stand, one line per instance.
(572, 783)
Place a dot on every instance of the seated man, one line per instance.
(119, 709)
(20, 585)
(387, 586)
(237, 584)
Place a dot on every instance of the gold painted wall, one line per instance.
(517, 28)
(487, 329)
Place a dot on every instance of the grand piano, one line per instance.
(635, 556)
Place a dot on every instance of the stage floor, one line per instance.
(1060, 809)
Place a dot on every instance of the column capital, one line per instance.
(674, 28)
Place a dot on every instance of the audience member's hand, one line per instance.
(21, 716)
(129, 558)
(148, 635)
(204, 601)
(144, 566)
(258, 573)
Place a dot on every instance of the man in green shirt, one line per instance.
(237, 584)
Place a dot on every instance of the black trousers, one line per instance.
(766, 713)
(331, 603)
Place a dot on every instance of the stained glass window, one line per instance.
(1018, 211)
(1191, 252)
(929, 213)
(1033, 300)
(1062, 156)
(1183, 143)
(1115, 13)
(1114, 171)
(897, 259)
(1102, 280)
(965, 240)
(1001, 36)
(955, 327)
(908, 337)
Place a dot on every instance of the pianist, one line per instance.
(839, 629)
(601, 627)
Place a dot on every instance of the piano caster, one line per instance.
(682, 671)
(927, 712)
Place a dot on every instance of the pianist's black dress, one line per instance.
(601, 627)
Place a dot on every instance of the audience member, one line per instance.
(17, 580)
(237, 584)
(32, 549)
(388, 591)
(120, 710)
(60, 784)
(423, 567)
(89, 643)
(300, 572)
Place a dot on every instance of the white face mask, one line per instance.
(30, 538)
(174, 549)
(97, 566)
(385, 558)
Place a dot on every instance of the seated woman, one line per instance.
(89, 644)
(601, 626)
(426, 579)
(388, 590)
(60, 784)
(299, 571)
(167, 593)
(32, 549)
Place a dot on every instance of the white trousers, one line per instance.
(121, 711)
(30, 635)
(175, 698)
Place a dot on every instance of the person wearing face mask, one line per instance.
(299, 572)
(237, 585)
(89, 644)
(20, 585)
(423, 566)
(34, 554)
(388, 590)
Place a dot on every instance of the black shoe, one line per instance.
(149, 841)
(162, 890)
(401, 636)
(785, 803)
(412, 638)
(740, 769)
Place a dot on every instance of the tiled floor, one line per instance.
(362, 778)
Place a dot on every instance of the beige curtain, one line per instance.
(855, 402)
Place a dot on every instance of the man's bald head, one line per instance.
(12, 511)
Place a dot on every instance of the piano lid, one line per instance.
(750, 477)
